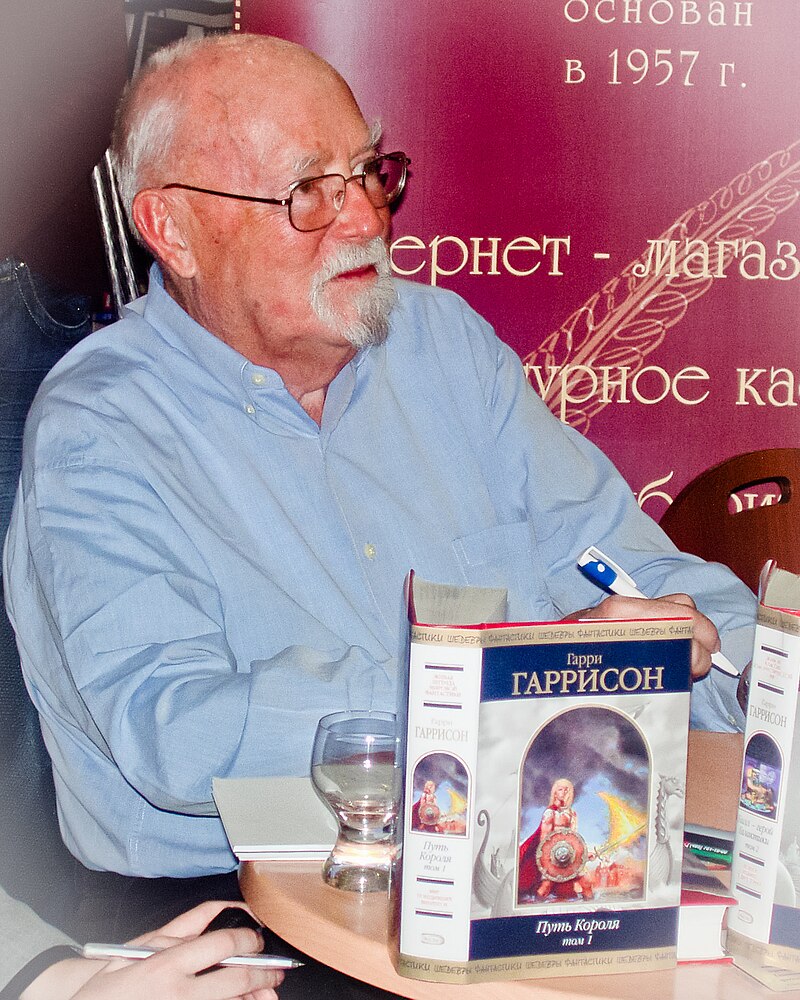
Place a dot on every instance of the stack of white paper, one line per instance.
(272, 819)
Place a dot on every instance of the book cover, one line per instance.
(765, 926)
(545, 770)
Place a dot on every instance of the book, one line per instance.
(545, 765)
(707, 857)
(710, 850)
(277, 818)
(764, 927)
(701, 925)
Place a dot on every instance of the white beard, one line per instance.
(372, 306)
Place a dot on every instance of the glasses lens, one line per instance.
(316, 202)
(383, 179)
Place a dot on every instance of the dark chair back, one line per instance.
(700, 519)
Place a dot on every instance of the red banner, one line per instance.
(614, 185)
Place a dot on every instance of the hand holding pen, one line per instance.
(178, 956)
(605, 572)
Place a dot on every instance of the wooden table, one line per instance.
(347, 931)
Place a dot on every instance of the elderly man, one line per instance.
(223, 492)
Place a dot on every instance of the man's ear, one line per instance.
(162, 232)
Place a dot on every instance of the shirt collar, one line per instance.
(186, 335)
(226, 365)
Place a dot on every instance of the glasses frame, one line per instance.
(286, 203)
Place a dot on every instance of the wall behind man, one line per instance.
(607, 124)
(62, 67)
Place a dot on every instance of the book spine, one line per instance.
(441, 761)
(760, 878)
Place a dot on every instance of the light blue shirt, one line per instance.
(197, 572)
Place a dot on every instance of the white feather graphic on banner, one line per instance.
(629, 317)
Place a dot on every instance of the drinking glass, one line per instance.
(354, 770)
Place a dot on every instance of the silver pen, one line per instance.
(97, 950)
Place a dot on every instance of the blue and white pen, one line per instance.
(599, 568)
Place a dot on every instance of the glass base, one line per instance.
(359, 867)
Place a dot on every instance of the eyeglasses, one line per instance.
(314, 202)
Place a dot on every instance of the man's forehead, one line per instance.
(264, 135)
(304, 160)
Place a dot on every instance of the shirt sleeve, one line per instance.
(148, 672)
(575, 497)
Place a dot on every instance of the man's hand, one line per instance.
(705, 638)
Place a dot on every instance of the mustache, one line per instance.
(350, 258)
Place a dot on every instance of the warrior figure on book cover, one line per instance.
(441, 793)
(553, 860)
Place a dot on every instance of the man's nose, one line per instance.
(358, 217)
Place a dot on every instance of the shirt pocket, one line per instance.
(505, 555)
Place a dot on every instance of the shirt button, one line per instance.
(369, 550)
(258, 378)
(250, 409)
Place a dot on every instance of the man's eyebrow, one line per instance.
(300, 166)
(375, 133)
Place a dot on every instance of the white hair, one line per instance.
(143, 134)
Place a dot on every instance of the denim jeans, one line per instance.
(37, 326)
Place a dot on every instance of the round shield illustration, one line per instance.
(429, 814)
(561, 856)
